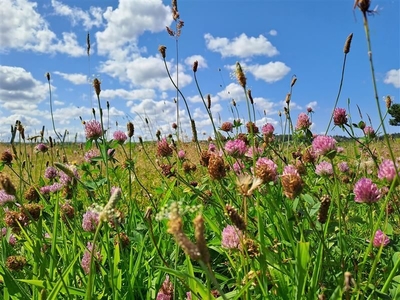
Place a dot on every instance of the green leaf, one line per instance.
(302, 260)
(88, 144)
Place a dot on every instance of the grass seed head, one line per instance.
(130, 129)
(200, 238)
(7, 185)
(324, 208)
(96, 85)
(195, 66)
(162, 49)
(241, 78)
(347, 44)
(235, 218)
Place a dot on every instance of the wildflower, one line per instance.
(387, 170)
(235, 148)
(238, 166)
(254, 151)
(366, 191)
(69, 172)
(231, 237)
(120, 136)
(41, 148)
(380, 239)
(181, 154)
(5, 198)
(343, 167)
(93, 129)
(67, 211)
(241, 78)
(339, 116)
(309, 156)
(6, 157)
(50, 173)
(163, 148)
(324, 168)
(251, 128)
(11, 239)
(85, 263)
(110, 152)
(216, 167)
(310, 110)
(90, 220)
(369, 131)
(89, 155)
(166, 290)
(55, 187)
(323, 209)
(15, 263)
(324, 145)
(303, 122)
(211, 147)
(266, 170)
(291, 182)
(268, 129)
(227, 127)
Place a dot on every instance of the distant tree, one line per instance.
(394, 111)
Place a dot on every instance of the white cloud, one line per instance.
(23, 28)
(19, 90)
(312, 104)
(88, 19)
(75, 78)
(138, 94)
(58, 103)
(232, 91)
(270, 72)
(393, 77)
(273, 32)
(241, 46)
(201, 60)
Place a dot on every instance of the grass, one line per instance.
(248, 215)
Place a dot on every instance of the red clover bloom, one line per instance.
(268, 129)
(303, 122)
(90, 220)
(227, 127)
(387, 170)
(235, 148)
(231, 237)
(85, 263)
(324, 168)
(380, 239)
(93, 129)
(339, 116)
(366, 191)
(324, 145)
(41, 148)
(120, 136)
(50, 173)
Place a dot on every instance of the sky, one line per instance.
(273, 41)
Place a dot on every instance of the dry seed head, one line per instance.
(216, 167)
(241, 78)
(235, 218)
(388, 101)
(162, 49)
(292, 185)
(250, 96)
(347, 44)
(48, 76)
(200, 239)
(294, 79)
(194, 130)
(204, 158)
(363, 5)
(32, 210)
(287, 99)
(88, 44)
(170, 31)
(15, 263)
(6, 157)
(234, 102)
(195, 66)
(130, 128)
(96, 85)
(7, 185)
(324, 208)
(32, 194)
(208, 101)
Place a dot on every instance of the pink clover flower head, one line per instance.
(163, 148)
(235, 148)
(324, 168)
(324, 145)
(11, 240)
(310, 110)
(111, 152)
(238, 166)
(85, 263)
(211, 147)
(366, 191)
(41, 148)
(369, 131)
(339, 116)
(65, 179)
(257, 152)
(343, 167)
(380, 239)
(120, 136)
(51, 173)
(290, 170)
(387, 170)
(166, 290)
(93, 129)
(90, 220)
(271, 170)
(181, 154)
(227, 127)
(268, 129)
(231, 237)
(5, 198)
(188, 296)
(55, 187)
(91, 154)
(303, 122)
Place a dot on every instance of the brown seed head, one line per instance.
(287, 99)
(200, 239)
(15, 263)
(250, 96)
(216, 167)
(6, 157)
(67, 211)
(170, 31)
(32, 194)
(241, 78)
(7, 185)
(204, 158)
(194, 130)
(130, 129)
(249, 247)
(294, 79)
(388, 101)
(324, 208)
(347, 44)
(162, 49)
(235, 218)
(195, 66)
(48, 76)
(32, 210)
(96, 85)
(208, 101)
(292, 185)
(122, 239)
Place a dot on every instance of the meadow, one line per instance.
(250, 213)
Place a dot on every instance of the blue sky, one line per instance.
(273, 40)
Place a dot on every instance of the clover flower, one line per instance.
(41, 148)
(268, 129)
(339, 116)
(5, 198)
(227, 127)
(366, 191)
(93, 129)
(303, 122)
(324, 145)
(380, 239)
(231, 237)
(324, 168)
(120, 136)
(85, 263)
(235, 148)
(50, 173)
(387, 170)
(91, 154)
(90, 220)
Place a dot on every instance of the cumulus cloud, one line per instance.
(201, 60)
(241, 46)
(232, 91)
(89, 19)
(137, 94)
(23, 28)
(273, 32)
(270, 72)
(75, 78)
(19, 90)
(393, 77)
